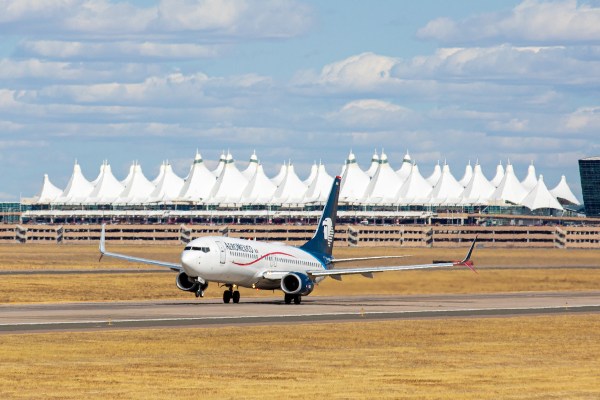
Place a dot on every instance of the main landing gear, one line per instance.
(295, 297)
(230, 294)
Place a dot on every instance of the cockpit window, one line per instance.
(202, 249)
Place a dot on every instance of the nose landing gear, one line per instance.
(230, 294)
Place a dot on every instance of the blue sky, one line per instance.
(302, 80)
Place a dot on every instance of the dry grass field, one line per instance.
(115, 286)
(549, 357)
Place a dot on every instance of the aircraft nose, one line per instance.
(189, 260)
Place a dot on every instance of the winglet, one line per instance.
(467, 260)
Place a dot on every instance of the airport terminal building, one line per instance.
(380, 205)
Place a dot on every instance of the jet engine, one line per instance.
(185, 283)
(297, 283)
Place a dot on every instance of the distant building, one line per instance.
(589, 170)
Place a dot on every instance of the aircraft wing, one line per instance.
(368, 271)
(342, 260)
(103, 252)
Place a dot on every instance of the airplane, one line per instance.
(234, 263)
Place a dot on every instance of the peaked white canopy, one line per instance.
(414, 189)
(78, 188)
(251, 168)
(220, 166)
(138, 189)
(48, 193)
(405, 168)
(374, 165)
(107, 188)
(354, 181)
(260, 189)
(199, 182)
(563, 191)
(540, 197)
(291, 190)
(384, 185)
(530, 180)
(125, 182)
(313, 173)
(435, 175)
(510, 189)
(467, 176)
(447, 189)
(161, 174)
(499, 175)
(479, 190)
(229, 185)
(277, 179)
(168, 187)
(320, 186)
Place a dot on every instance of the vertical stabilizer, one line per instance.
(322, 241)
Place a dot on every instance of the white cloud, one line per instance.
(586, 119)
(532, 21)
(69, 50)
(372, 114)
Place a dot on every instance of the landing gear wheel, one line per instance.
(227, 296)
(297, 299)
(236, 297)
(200, 293)
(288, 298)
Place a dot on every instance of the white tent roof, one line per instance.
(138, 189)
(540, 197)
(320, 186)
(384, 185)
(499, 175)
(563, 191)
(415, 187)
(447, 189)
(49, 192)
(260, 189)
(107, 188)
(374, 165)
(354, 181)
(435, 175)
(313, 173)
(509, 189)
(168, 187)
(127, 179)
(277, 179)
(161, 173)
(530, 180)
(467, 176)
(291, 189)
(77, 189)
(229, 185)
(479, 190)
(220, 166)
(405, 168)
(199, 182)
(251, 168)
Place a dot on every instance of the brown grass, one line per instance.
(550, 357)
(40, 256)
(113, 287)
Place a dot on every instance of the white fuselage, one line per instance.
(244, 262)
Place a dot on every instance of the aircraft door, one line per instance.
(223, 252)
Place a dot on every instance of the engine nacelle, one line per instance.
(297, 283)
(187, 284)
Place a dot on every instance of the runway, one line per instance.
(206, 313)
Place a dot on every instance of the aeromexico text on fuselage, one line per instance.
(243, 262)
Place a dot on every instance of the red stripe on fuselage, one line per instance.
(266, 255)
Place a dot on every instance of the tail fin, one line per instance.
(322, 241)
